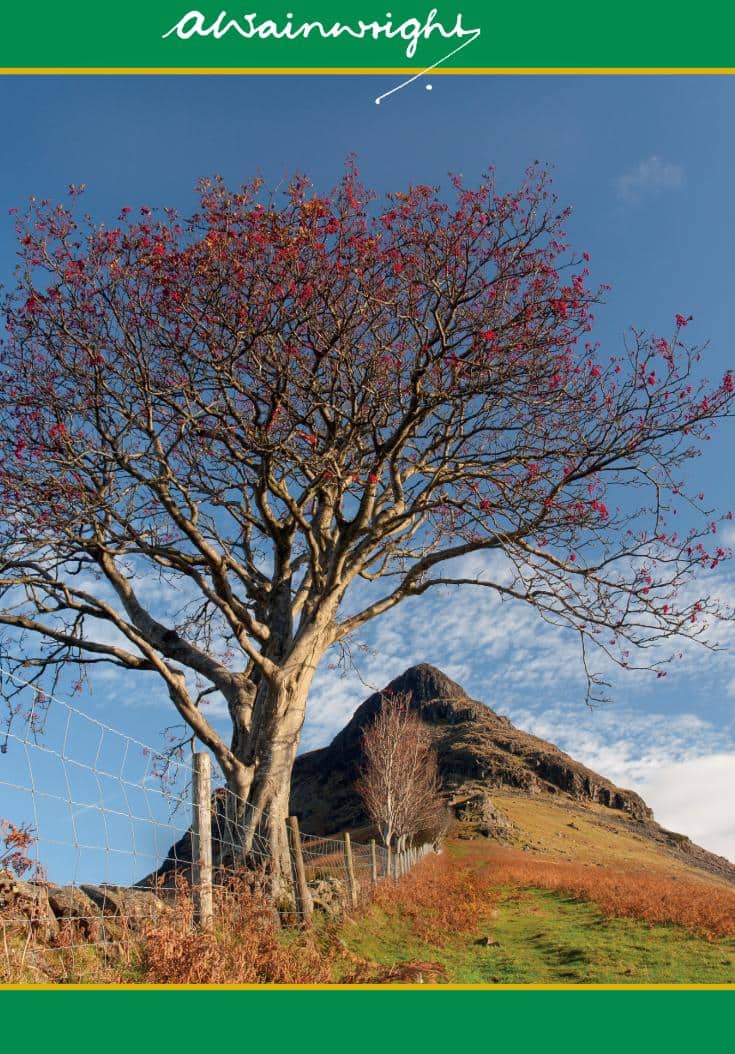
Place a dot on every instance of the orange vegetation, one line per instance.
(244, 946)
(700, 906)
(440, 898)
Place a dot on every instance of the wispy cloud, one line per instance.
(649, 177)
(505, 655)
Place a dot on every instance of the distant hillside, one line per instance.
(480, 754)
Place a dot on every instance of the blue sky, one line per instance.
(647, 164)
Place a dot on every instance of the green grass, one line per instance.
(546, 938)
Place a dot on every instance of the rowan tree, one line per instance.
(288, 396)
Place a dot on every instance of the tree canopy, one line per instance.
(287, 394)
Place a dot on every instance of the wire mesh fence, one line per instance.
(103, 838)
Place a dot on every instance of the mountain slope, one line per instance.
(541, 797)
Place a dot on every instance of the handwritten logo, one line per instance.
(411, 31)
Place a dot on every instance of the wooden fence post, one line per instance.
(388, 862)
(373, 862)
(301, 890)
(351, 884)
(201, 840)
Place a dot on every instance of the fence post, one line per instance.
(388, 862)
(201, 840)
(301, 890)
(351, 884)
(373, 862)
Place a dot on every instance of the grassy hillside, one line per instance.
(521, 933)
(577, 897)
(592, 834)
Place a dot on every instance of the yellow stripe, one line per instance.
(372, 70)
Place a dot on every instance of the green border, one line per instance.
(126, 35)
(355, 1021)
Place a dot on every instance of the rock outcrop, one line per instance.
(479, 814)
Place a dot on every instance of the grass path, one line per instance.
(535, 935)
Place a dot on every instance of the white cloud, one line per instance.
(695, 797)
(648, 177)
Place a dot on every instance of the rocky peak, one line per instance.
(436, 697)
(477, 749)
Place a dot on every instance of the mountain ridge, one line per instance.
(479, 752)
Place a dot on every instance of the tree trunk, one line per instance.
(264, 836)
(258, 806)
